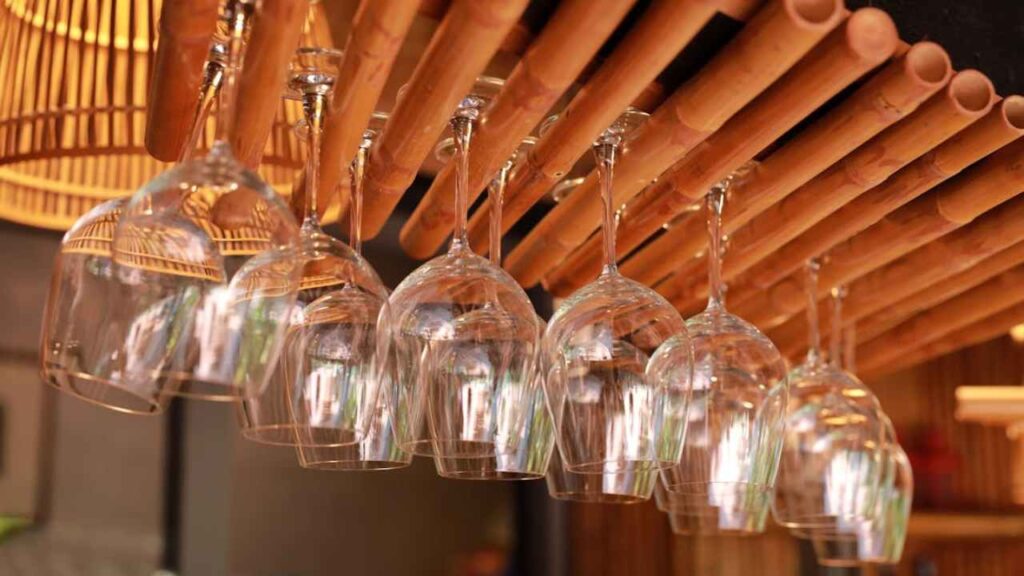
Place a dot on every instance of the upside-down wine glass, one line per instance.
(325, 388)
(379, 449)
(80, 303)
(735, 416)
(609, 416)
(532, 454)
(207, 313)
(831, 471)
(465, 340)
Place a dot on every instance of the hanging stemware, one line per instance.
(204, 258)
(831, 470)
(734, 420)
(529, 461)
(80, 301)
(325, 389)
(379, 449)
(465, 340)
(609, 416)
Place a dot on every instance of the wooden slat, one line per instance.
(186, 27)
(469, 35)
(782, 33)
(568, 42)
(951, 205)
(664, 29)
(941, 117)
(867, 39)
(276, 30)
(941, 258)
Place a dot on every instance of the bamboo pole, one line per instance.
(1003, 124)
(979, 331)
(186, 27)
(867, 39)
(568, 42)
(781, 33)
(892, 315)
(378, 30)
(956, 202)
(995, 295)
(276, 30)
(664, 29)
(469, 35)
(892, 94)
(933, 262)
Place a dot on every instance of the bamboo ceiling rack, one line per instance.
(902, 173)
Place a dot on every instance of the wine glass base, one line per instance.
(354, 465)
(597, 498)
(273, 435)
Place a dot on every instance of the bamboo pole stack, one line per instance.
(568, 42)
(867, 39)
(665, 28)
(950, 206)
(941, 258)
(968, 96)
(888, 97)
(186, 27)
(780, 34)
(469, 35)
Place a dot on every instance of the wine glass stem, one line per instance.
(605, 150)
(850, 343)
(213, 78)
(716, 203)
(835, 345)
(497, 192)
(237, 23)
(314, 104)
(355, 217)
(462, 128)
(813, 333)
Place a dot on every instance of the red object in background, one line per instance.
(483, 562)
(934, 462)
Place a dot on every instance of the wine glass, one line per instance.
(608, 488)
(80, 300)
(465, 339)
(831, 469)
(205, 267)
(379, 449)
(609, 416)
(734, 419)
(325, 388)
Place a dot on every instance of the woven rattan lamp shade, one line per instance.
(73, 108)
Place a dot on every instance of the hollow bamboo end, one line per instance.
(928, 64)
(871, 34)
(972, 92)
(1012, 112)
(814, 13)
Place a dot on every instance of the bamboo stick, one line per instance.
(892, 315)
(933, 262)
(868, 38)
(186, 27)
(568, 42)
(995, 295)
(378, 30)
(956, 202)
(1003, 124)
(781, 33)
(664, 29)
(276, 30)
(893, 93)
(979, 331)
(469, 35)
